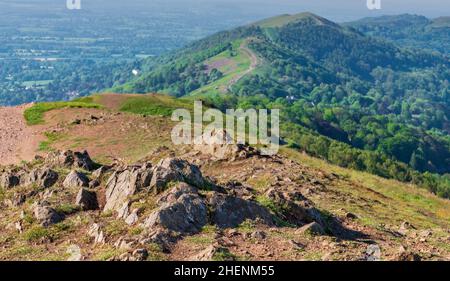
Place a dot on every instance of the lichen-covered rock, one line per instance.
(43, 177)
(182, 210)
(76, 179)
(86, 199)
(47, 215)
(173, 170)
(123, 184)
(230, 211)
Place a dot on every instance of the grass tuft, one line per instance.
(35, 114)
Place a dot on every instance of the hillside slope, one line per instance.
(409, 30)
(356, 100)
(246, 206)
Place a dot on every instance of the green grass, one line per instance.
(67, 209)
(37, 233)
(35, 114)
(52, 137)
(159, 105)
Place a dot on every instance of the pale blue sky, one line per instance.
(337, 10)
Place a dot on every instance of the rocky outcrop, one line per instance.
(86, 199)
(295, 208)
(175, 170)
(123, 184)
(9, 180)
(71, 159)
(229, 211)
(182, 210)
(76, 179)
(46, 215)
(43, 177)
(219, 145)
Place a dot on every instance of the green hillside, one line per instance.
(409, 31)
(356, 100)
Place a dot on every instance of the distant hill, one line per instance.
(409, 30)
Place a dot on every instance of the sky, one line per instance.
(336, 10)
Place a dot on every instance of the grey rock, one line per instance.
(94, 183)
(43, 177)
(182, 210)
(100, 172)
(47, 215)
(9, 180)
(139, 255)
(132, 218)
(373, 253)
(260, 235)
(76, 179)
(297, 209)
(212, 252)
(71, 159)
(96, 232)
(230, 211)
(123, 184)
(86, 199)
(74, 253)
(175, 170)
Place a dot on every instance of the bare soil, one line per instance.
(18, 141)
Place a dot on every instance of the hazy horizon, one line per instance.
(248, 10)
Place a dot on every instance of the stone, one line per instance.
(97, 174)
(296, 209)
(132, 218)
(71, 159)
(123, 212)
(405, 227)
(43, 177)
(139, 254)
(175, 170)
(219, 145)
(229, 211)
(182, 210)
(94, 183)
(260, 235)
(123, 184)
(213, 252)
(74, 253)
(86, 199)
(373, 253)
(46, 215)
(76, 179)
(312, 228)
(96, 233)
(9, 180)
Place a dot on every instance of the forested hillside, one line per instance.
(356, 100)
(409, 30)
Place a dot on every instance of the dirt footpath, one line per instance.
(17, 141)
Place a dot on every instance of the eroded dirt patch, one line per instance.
(17, 140)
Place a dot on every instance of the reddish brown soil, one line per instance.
(17, 140)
